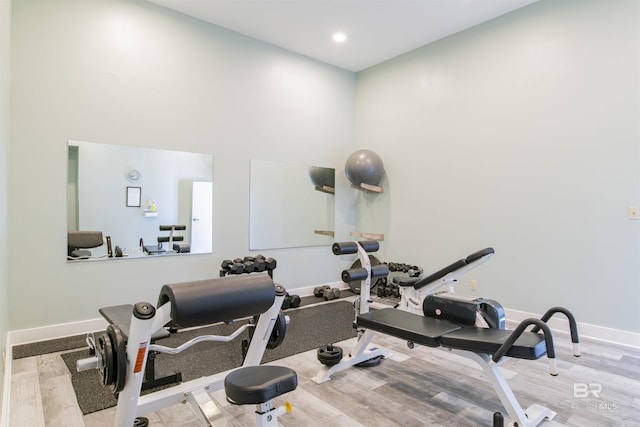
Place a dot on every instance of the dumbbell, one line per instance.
(393, 266)
(248, 266)
(330, 294)
(291, 301)
(382, 291)
(259, 263)
(397, 266)
(393, 290)
(270, 264)
(232, 267)
(327, 292)
(319, 290)
(414, 271)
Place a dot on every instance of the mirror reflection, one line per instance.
(291, 205)
(127, 201)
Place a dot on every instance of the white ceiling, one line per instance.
(377, 30)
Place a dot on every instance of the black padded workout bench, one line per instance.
(470, 327)
(431, 332)
(486, 346)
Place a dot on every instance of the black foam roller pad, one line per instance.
(380, 270)
(214, 300)
(370, 245)
(343, 248)
(354, 274)
(174, 227)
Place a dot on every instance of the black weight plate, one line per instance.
(278, 332)
(105, 349)
(329, 355)
(355, 286)
(141, 422)
(120, 357)
(333, 353)
(370, 363)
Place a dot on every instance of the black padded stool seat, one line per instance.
(408, 326)
(121, 315)
(483, 340)
(259, 384)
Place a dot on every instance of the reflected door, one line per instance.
(201, 217)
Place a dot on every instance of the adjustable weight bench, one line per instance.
(488, 347)
(450, 322)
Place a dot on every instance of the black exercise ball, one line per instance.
(364, 167)
(322, 177)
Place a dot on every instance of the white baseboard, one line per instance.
(560, 324)
(24, 336)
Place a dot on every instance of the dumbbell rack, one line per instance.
(257, 264)
(248, 264)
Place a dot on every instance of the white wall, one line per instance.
(5, 30)
(521, 134)
(133, 73)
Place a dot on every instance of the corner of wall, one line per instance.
(5, 33)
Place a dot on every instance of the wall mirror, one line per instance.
(290, 205)
(127, 202)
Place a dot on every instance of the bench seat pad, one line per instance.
(407, 326)
(120, 315)
(259, 384)
(487, 340)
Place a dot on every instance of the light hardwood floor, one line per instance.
(419, 387)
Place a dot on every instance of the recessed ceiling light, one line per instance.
(339, 37)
